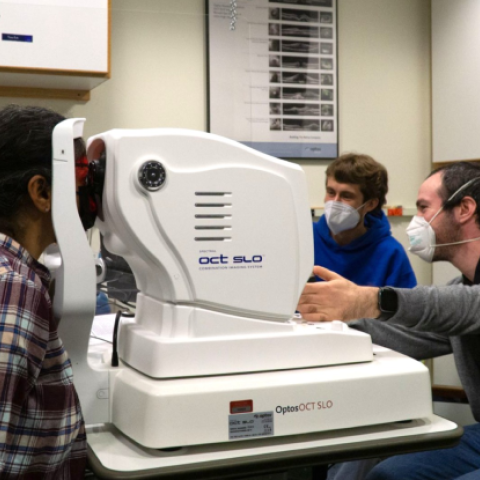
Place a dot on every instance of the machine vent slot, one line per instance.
(212, 227)
(212, 194)
(216, 207)
(212, 239)
(212, 215)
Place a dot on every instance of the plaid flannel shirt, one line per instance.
(42, 432)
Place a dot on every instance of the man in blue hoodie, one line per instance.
(353, 237)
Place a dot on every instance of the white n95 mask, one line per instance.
(340, 216)
(422, 237)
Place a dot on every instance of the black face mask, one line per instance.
(87, 207)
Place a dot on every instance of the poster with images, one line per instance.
(272, 75)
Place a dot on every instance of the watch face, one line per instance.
(388, 301)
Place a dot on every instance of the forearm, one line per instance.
(415, 344)
(451, 310)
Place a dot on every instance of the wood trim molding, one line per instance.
(447, 392)
(79, 95)
(52, 71)
(444, 164)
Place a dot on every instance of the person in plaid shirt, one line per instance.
(42, 432)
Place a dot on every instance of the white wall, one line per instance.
(456, 76)
(159, 79)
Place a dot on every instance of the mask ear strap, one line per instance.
(438, 213)
(463, 187)
(457, 243)
(361, 206)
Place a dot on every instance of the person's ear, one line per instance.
(466, 209)
(371, 205)
(40, 193)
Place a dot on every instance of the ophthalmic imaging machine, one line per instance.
(217, 377)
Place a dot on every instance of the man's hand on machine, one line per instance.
(337, 299)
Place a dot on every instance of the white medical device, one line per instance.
(219, 239)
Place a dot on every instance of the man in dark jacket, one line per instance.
(425, 322)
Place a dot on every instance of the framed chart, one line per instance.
(272, 75)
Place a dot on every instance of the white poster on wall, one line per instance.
(272, 71)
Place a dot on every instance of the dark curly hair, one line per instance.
(25, 151)
(364, 171)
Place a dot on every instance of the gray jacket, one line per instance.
(435, 321)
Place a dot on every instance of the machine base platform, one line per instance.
(113, 456)
(206, 410)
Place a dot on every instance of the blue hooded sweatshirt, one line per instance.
(375, 259)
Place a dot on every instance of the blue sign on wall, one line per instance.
(12, 37)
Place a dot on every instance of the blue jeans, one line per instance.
(353, 470)
(458, 463)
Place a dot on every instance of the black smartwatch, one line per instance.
(387, 303)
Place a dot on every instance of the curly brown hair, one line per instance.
(362, 170)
